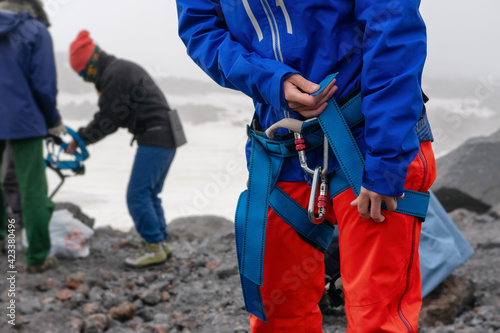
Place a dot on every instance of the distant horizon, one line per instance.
(206, 79)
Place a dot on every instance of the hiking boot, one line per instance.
(166, 249)
(150, 254)
(50, 263)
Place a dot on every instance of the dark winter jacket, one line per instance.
(129, 98)
(28, 82)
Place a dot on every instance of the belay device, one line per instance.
(54, 162)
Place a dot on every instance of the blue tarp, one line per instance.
(442, 247)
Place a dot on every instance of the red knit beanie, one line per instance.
(80, 51)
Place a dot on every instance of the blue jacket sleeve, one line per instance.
(394, 51)
(44, 78)
(209, 43)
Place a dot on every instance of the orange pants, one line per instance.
(379, 265)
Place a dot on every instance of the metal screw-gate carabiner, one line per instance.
(295, 125)
(317, 173)
(300, 146)
(322, 199)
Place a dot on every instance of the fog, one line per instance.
(463, 35)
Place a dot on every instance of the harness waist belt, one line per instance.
(314, 133)
(414, 203)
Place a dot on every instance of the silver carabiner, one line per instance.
(322, 199)
(300, 147)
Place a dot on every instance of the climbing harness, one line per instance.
(330, 130)
(53, 160)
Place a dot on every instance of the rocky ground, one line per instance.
(198, 289)
(477, 293)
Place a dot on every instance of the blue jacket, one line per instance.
(378, 46)
(28, 83)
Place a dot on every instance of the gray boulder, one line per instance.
(469, 176)
(77, 213)
(199, 227)
(447, 301)
(452, 199)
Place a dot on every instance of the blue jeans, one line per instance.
(150, 169)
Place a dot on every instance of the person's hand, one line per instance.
(71, 147)
(369, 204)
(58, 129)
(297, 90)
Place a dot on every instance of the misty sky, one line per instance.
(463, 34)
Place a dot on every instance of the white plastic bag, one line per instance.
(69, 237)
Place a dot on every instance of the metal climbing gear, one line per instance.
(318, 173)
(53, 160)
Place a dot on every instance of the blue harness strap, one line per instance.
(251, 290)
(414, 203)
(259, 185)
(343, 145)
(296, 216)
(351, 161)
(250, 224)
(251, 219)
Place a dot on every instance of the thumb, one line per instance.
(303, 84)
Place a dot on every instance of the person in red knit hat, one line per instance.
(84, 53)
(129, 98)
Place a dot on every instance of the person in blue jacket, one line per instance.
(276, 52)
(28, 90)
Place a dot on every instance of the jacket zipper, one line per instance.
(253, 20)
(403, 319)
(273, 25)
(274, 30)
(401, 316)
(289, 30)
